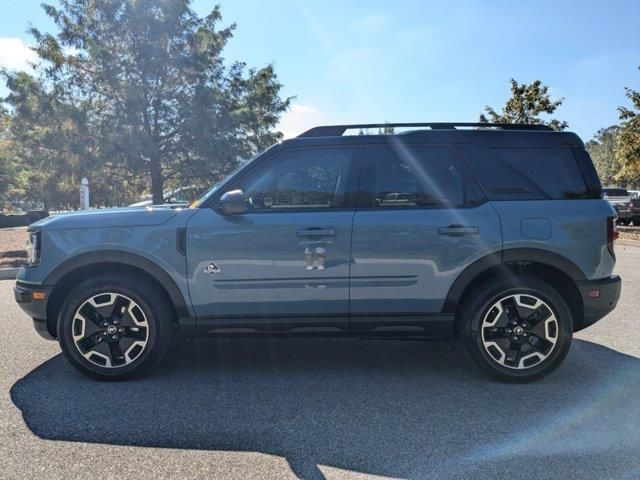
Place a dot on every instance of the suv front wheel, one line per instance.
(517, 329)
(110, 328)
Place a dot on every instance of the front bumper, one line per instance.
(36, 307)
(597, 307)
(624, 214)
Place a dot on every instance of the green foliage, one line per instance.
(602, 149)
(628, 153)
(11, 180)
(525, 105)
(132, 94)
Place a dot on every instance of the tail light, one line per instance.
(612, 234)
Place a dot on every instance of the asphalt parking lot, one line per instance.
(324, 408)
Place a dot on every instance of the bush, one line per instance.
(21, 220)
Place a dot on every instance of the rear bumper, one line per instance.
(35, 308)
(594, 307)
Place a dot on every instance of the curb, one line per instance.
(8, 273)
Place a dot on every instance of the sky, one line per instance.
(409, 61)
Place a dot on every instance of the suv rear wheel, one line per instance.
(114, 329)
(517, 329)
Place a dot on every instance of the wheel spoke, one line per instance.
(88, 343)
(119, 308)
(117, 357)
(538, 315)
(511, 309)
(493, 333)
(139, 333)
(91, 314)
(514, 352)
(541, 344)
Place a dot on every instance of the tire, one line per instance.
(111, 328)
(523, 351)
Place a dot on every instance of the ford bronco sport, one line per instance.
(494, 234)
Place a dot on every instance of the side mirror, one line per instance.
(233, 203)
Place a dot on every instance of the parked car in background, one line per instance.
(177, 197)
(498, 236)
(620, 199)
(635, 207)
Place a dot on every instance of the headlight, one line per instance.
(33, 248)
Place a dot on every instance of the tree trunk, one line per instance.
(157, 182)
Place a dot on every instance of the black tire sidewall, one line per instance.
(486, 296)
(146, 299)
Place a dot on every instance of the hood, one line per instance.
(113, 217)
(143, 203)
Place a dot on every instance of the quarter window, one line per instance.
(300, 180)
(527, 173)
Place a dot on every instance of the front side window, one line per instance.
(300, 180)
(409, 176)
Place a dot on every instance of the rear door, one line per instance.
(422, 221)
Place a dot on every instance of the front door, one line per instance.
(283, 265)
(422, 222)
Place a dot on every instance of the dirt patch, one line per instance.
(12, 247)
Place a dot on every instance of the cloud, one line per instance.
(300, 118)
(15, 54)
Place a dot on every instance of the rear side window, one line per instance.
(410, 176)
(526, 173)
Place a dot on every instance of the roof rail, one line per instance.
(338, 130)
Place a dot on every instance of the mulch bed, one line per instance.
(629, 233)
(12, 243)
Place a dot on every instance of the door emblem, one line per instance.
(211, 269)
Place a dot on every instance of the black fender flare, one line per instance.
(498, 259)
(126, 259)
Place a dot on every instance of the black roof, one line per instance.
(488, 134)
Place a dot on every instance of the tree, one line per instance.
(628, 153)
(12, 180)
(525, 105)
(602, 149)
(140, 92)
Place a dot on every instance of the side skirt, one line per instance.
(431, 326)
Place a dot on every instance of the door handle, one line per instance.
(458, 230)
(316, 232)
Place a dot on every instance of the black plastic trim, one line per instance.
(123, 258)
(502, 258)
(34, 308)
(181, 241)
(428, 325)
(596, 308)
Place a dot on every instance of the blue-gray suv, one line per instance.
(494, 234)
